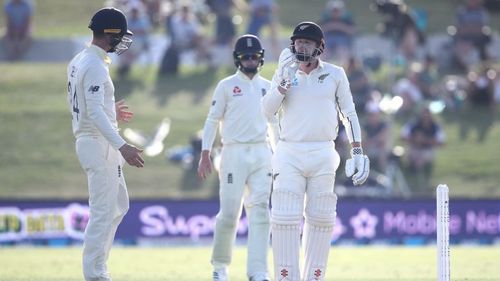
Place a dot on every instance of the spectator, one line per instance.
(400, 25)
(427, 77)
(472, 34)
(359, 83)
(478, 112)
(139, 24)
(153, 11)
(422, 135)
(225, 29)
(339, 28)
(19, 17)
(481, 87)
(407, 88)
(376, 138)
(186, 34)
(262, 13)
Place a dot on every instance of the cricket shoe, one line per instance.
(220, 275)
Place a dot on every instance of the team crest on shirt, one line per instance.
(322, 77)
(237, 91)
(295, 82)
(263, 91)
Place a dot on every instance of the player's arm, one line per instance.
(358, 166)
(93, 86)
(346, 109)
(271, 102)
(272, 128)
(215, 114)
(281, 83)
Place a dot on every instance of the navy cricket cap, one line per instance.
(111, 21)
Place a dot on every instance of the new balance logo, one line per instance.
(93, 89)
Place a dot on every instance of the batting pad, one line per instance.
(286, 216)
(320, 219)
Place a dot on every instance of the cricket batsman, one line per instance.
(308, 95)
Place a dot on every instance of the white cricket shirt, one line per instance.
(236, 107)
(308, 112)
(91, 96)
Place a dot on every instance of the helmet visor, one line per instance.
(255, 56)
(123, 45)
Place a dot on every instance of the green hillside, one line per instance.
(38, 158)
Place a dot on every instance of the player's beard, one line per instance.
(250, 70)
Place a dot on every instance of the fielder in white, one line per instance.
(98, 145)
(308, 95)
(245, 160)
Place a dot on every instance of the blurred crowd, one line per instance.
(410, 94)
(184, 25)
(407, 95)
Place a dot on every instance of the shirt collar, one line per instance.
(321, 65)
(100, 53)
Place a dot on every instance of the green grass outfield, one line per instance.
(192, 263)
(38, 158)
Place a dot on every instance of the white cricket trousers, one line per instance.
(108, 202)
(245, 179)
(304, 176)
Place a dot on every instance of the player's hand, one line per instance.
(205, 164)
(285, 73)
(122, 112)
(284, 86)
(132, 155)
(358, 166)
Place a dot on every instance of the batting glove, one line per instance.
(358, 166)
(287, 67)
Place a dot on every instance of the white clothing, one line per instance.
(245, 172)
(236, 106)
(108, 202)
(310, 108)
(91, 96)
(304, 166)
(245, 178)
(184, 31)
(92, 104)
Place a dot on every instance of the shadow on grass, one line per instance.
(125, 86)
(195, 82)
(473, 121)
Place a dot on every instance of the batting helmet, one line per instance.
(248, 45)
(112, 21)
(312, 31)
